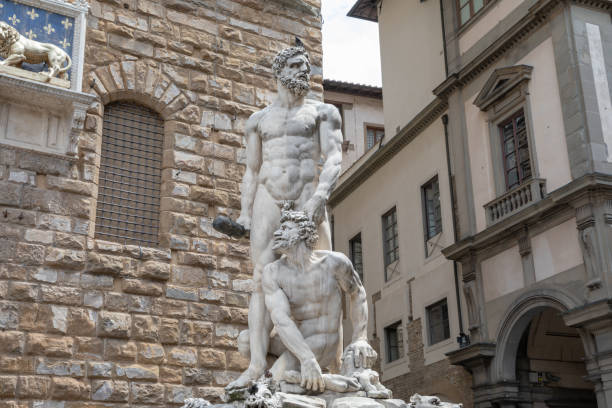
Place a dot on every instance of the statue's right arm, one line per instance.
(253, 163)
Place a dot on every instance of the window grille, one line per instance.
(130, 175)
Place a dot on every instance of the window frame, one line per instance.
(375, 127)
(521, 177)
(395, 249)
(428, 314)
(473, 13)
(396, 327)
(426, 227)
(505, 93)
(356, 237)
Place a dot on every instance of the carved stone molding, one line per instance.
(41, 117)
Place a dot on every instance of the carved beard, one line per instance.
(297, 87)
(283, 245)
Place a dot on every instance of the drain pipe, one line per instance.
(462, 335)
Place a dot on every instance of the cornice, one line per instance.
(11, 82)
(559, 200)
(536, 16)
(420, 122)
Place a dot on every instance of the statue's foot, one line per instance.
(243, 381)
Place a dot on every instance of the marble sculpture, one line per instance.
(295, 311)
(17, 49)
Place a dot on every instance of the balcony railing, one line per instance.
(515, 200)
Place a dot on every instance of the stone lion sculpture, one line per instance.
(17, 49)
(427, 401)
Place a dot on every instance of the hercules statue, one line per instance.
(285, 143)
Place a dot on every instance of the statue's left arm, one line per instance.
(330, 140)
(358, 308)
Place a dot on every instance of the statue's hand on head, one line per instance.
(364, 356)
(315, 208)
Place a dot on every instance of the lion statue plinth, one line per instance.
(17, 49)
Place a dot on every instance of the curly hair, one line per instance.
(307, 229)
(281, 58)
(11, 36)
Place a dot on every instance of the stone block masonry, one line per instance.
(452, 383)
(87, 323)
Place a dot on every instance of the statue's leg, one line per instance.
(266, 219)
(14, 60)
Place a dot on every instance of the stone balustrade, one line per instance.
(515, 200)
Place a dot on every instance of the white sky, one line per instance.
(350, 45)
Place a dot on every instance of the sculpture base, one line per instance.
(325, 400)
(34, 76)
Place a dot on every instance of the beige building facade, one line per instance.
(115, 291)
(513, 99)
(362, 117)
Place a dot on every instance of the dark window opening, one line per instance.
(390, 240)
(356, 255)
(431, 208)
(437, 320)
(394, 342)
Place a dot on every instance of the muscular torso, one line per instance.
(315, 296)
(290, 151)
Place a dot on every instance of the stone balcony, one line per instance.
(515, 200)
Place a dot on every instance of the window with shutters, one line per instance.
(394, 342)
(130, 175)
(356, 254)
(515, 150)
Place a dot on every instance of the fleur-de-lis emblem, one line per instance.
(30, 34)
(33, 14)
(64, 43)
(49, 29)
(14, 20)
(66, 23)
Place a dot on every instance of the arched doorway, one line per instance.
(549, 364)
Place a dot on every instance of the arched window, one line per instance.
(130, 175)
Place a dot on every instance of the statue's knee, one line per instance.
(244, 346)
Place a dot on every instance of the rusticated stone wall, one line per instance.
(86, 323)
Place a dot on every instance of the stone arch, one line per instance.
(515, 322)
(145, 84)
(148, 85)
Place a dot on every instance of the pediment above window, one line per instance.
(501, 82)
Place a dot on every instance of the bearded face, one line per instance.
(286, 237)
(295, 75)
